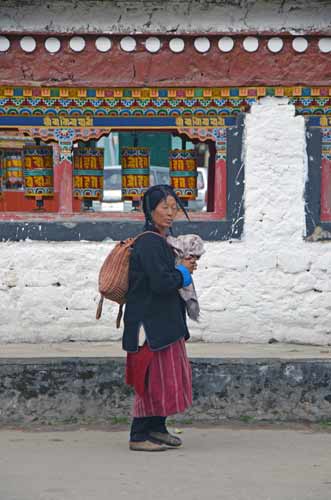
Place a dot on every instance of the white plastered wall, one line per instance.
(165, 15)
(270, 285)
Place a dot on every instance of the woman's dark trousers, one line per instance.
(142, 426)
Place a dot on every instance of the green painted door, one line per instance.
(159, 144)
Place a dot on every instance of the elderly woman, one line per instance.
(155, 327)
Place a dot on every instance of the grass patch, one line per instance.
(325, 423)
(119, 420)
(247, 419)
(182, 421)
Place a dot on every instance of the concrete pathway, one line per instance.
(216, 463)
(195, 349)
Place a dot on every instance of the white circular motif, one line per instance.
(103, 44)
(324, 45)
(177, 45)
(128, 44)
(153, 44)
(251, 44)
(275, 44)
(202, 44)
(226, 44)
(77, 43)
(300, 44)
(28, 44)
(4, 43)
(52, 45)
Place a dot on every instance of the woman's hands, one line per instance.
(190, 263)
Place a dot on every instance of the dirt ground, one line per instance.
(228, 462)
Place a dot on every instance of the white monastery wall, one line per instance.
(270, 285)
(164, 16)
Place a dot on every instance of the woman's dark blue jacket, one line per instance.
(153, 299)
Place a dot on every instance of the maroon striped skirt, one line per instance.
(167, 382)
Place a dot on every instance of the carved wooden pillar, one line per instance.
(220, 180)
(63, 168)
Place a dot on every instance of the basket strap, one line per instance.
(119, 316)
(145, 232)
(99, 308)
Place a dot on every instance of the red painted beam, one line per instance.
(140, 68)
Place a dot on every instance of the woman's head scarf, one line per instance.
(153, 196)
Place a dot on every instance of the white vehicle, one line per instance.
(112, 184)
(200, 203)
(112, 190)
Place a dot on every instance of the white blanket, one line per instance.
(188, 245)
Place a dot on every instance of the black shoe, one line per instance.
(146, 446)
(166, 438)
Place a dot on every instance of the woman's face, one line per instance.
(164, 213)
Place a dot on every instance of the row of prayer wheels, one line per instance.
(31, 169)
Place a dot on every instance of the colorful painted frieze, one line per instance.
(183, 173)
(88, 172)
(80, 109)
(135, 172)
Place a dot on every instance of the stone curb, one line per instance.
(60, 390)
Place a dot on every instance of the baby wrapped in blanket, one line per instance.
(184, 246)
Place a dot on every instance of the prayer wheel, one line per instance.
(38, 171)
(135, 172)
(183, 173)
(88, 173)
(12, 168)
